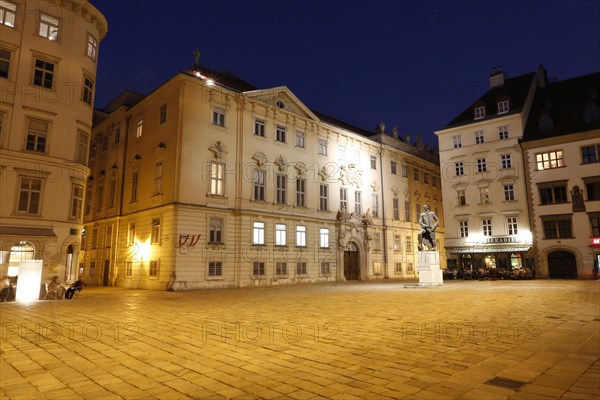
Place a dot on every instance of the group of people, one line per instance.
(7, 289)
(58, 291)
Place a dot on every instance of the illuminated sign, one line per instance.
(596, 241)
(505, 239)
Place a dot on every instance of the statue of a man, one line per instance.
(429, 223)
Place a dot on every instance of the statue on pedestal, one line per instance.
(429, 223)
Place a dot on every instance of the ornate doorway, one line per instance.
(562, 265)
(351, 262)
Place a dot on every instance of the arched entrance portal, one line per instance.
(562, 265)
(351, 262)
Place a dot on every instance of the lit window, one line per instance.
(323, 147)
(92, 47)
(139, 128)
(258, 233)
(324, 237)
(259, 127)
(218, 117)
(215, 268)
(511, 225)
(503, 107)
(37, 134)
(397, 243)
(300, 139)
(505, 161)
(162, 116)
(503, 132)
(549, 160)
(280, 134)
(280, 235)
(509, 192)
(393, 167)
(281, 188)
(301, 235)
(487, 227)
(457, 141)
(155, 232)
(323, 197)
(215, 230)
(4, 62)
(300, 192)
(259, 184)
(48, 27)
(479, 138)
(8, 12)
(479, 112)
(217, 178)
(43, 74)
(76, 202)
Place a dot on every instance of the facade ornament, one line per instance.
(395, 190)
(350, 175)
(419, 142)
(260, 158)
(367, 218)
(301, 168)
(280, 163)
(375, 186)
(381, 127)
(395, 132)
(407, 138)
(324, 173)
(196, 55)
(218, 148)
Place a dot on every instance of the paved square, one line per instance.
(339, 341)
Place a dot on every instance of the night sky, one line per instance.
(407, 63)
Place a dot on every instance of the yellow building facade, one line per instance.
(210, 182)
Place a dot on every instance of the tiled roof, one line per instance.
(563, 104)
(514, 89)
(222, 78)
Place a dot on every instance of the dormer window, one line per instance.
(479, 112)
(503, 107)
(591, 114)
(546, 123)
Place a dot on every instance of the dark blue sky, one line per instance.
(408, 63)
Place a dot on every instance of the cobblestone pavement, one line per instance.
(336, 341)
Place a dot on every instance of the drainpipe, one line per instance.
(385, 247)
(121, 197)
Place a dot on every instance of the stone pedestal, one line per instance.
(430, 273)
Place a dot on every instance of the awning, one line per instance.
(489, 249)
(26, 231)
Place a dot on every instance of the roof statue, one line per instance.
(196, 55)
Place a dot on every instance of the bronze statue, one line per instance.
(429, 223)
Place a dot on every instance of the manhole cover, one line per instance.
(506, 383)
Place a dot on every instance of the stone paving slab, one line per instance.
(364, 340)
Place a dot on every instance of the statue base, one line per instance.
(430, 273)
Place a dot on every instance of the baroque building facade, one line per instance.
(211, 182)
(48, 59)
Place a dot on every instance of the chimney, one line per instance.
(542, 76)
(497, 77)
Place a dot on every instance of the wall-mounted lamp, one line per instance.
(137, 157)
(162, 145)
(115, 166)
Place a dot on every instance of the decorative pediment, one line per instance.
(260, 158)
(218, 148)
(282, 98)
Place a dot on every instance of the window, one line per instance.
(301, 268)
(416, 174)
(280, 235)
(300, 139)
(396, 208)
(595, 223)
(153, 269)
(373, 162)
(479, 138)
(155, 231)
(162, 114)
(409, 267)
(37, 133)
(92, 268)
(417, 211)
(128, 269)
(117, 134)
(217, 178)
(259, 184)
(280, 133)
(104, 143)
(481, 165)
(92, 47)
(376, 268)
(100, 196)
(218, 117)
(94, 238)
(4, 61)
(463, 228)
(398, 268)
(76, 202)
(457, 141)
(502, 107)
(505, 161)
(8, 12)
(112, 191)
(215, 268)
(487, 227)
(258, 233)
(591, 113)
(343, 199)
(393, 167)
(342, 153)
(479, 112)
(281, 268)
(546, 123)
(356, 157)
(405, 171)
(509, 192)
(158, 175)
(484, 195)
(139, 127)
(281, 188)
(43, 74)
(549, 160)
(590, 154)
(258, 268)
(503, 132)
(375, 205)
(325, 268)
(426, 177)
(300, 192)
(434, 180)
(48, 27)
(323, 197)
(131, 233)
(511, 225)
(323, 147)
(259, 127)
(553, 192)
(83, 140)
(459, 168)
(376, 242)
(134, 185)
(461, 198)
(358, 203)
(407, 210)
(324, 238)
(301, 236)
(215, 230)
(87, 94)
(592, 187)
(557, 226)
(88, 200)
(408, 244)
(397, 243)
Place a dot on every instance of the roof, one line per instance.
(514, 89)
(221, 78)
(341, 124)
(563, 104)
